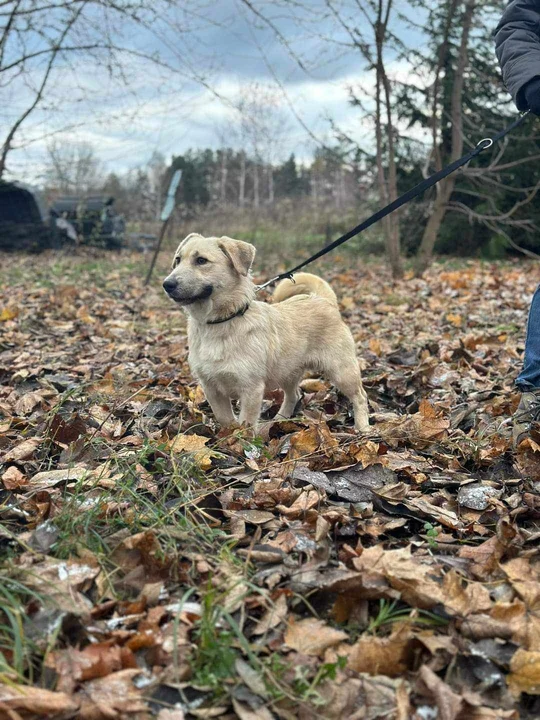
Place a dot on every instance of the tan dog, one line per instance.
(240, 348)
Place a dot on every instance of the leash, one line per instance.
(402, 200)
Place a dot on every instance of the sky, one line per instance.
(210, 55)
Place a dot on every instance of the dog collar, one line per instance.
(239, 313)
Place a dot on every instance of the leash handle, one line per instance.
(419, 189)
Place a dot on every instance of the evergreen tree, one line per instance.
(287, 180)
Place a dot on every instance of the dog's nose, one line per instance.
(169, 284)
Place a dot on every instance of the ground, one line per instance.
(155, 565)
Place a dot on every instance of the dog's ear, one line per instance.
(183, 242)
(240, 253)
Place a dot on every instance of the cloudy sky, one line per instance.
(209, 57)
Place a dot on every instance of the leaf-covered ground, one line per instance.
(153, 565)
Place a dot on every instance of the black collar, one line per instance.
(238, 313)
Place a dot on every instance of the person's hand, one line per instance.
(531, 92)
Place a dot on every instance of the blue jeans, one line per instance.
(529, 377)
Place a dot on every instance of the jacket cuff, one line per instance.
(526, 70)
(531, 93)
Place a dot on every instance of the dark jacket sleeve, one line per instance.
(517, 43)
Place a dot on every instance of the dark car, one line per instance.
(88, 220)
(21, 224)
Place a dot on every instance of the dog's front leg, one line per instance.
(221, 406)
(250, 404)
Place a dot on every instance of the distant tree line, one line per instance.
(222, 178)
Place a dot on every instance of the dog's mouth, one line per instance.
(190, 299)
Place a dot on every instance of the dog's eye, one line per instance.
(176, 261)
(201, 261)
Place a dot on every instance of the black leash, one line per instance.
(402, 200)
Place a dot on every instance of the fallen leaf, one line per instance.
(485, 557)
(449, 703)
(13, 478)
(22, 451)
(525, 673)
(8, 313)
(50, 478)
(391, 656)
(275, 615)
(112, 696)
(194, 445)
(95, 661)
(37, 701)
(246, 713)
(312, 636)
(418, 583)
(166, 714)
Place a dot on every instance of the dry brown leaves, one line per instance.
(165, 568)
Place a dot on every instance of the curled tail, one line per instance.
(304, 284)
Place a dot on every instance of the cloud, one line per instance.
(169, 111)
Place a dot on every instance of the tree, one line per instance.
(287, 179)
(115, 187)
(371, 39)
(463, 93)
(258, 125)
(43, 42)
(446, 187)
(452, 90)
(73, 169)
(196, 166)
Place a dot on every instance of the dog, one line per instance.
(239, 347)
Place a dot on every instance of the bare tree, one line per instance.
(72, 169)
(157, 168)
(377, 15)
(387, 188)
(260, 127)
(44, 42)
(446, 187)
(363, 27)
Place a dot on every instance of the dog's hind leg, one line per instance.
(291, 398)
(346, 377)
(250, 404)
(221, 405)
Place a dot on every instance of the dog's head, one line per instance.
(204, 267)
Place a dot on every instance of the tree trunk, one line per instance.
(242, 181)
(446, 187)
(270, 185)
(223, 179)
(387, 188)
(256, 198)
(429, 238)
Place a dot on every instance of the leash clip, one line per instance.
(267, 283)
(489, 142)
(289, 276)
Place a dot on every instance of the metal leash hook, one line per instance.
(284, 276)
(489, 142)
(266, 284)
(478, 148)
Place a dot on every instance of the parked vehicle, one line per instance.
(89, 220)
(21, 224)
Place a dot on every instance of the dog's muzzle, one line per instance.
(179, 295)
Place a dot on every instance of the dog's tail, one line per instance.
(304, 284)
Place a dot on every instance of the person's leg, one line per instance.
(529, 377)
(528, 381)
